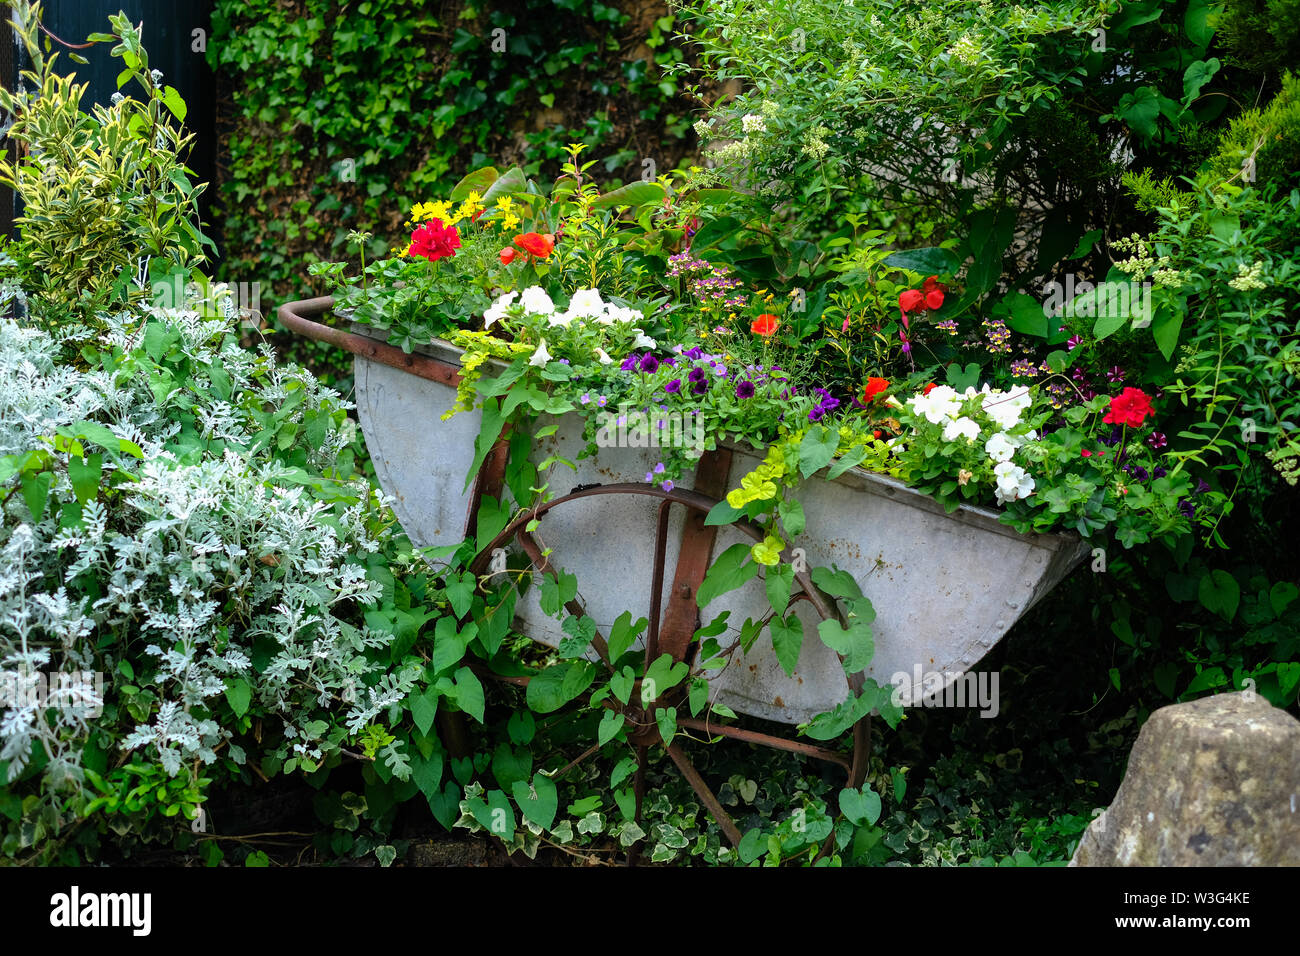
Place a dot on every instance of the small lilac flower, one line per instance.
(586, 397)
(564, 361)
(649, 477)
(602, 401)
(649, 364)
(659, 468)
(673, 387)
(745, 390)
(1157, 440)
(668, 484)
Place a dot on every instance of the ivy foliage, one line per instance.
(343, 118)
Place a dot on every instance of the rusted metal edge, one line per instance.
(295, 317)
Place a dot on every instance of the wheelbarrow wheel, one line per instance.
(671, 631)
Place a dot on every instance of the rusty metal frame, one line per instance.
(673, 634)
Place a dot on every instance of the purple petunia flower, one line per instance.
(745, 390)
(1157, 440)
(1116, 374)
(1186, 508)
(1074, 342)
(673, 387)
(700, 388)
(694, 353)
(1158, 472)
(649, 364)
(697, 375)
(630, 363)
(1201, 486)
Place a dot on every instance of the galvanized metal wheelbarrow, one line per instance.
(945, 587)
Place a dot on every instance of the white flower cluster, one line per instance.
(1003, 411)
(586, 308)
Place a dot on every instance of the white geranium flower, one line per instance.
(643, 341)
(604, 357)
(536, 302)
(1001, 447)
(541, 356)
(1005, 408)
(497, 310)
(961, 427)
(1013, 482)
(941, 403)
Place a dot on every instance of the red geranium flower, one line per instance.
(934, 299)
(435, 240)
(926, 390)
(765, 324)
(536, 244)
(874, 387)
(911, 300)
(1130, 407)
(507, 256)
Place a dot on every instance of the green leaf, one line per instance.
(792, 517)
(510, 766)
(1196, 76)
(623, 635)
(787, 641)
(1108, 324)
(662, 675)
(847, 461)
(538, 802)
(611, 722)
(1166, 328)
(85, 475)
(511, 183)
(172, 100)
(836, 583)
(816, 449)
(1140, 109)
(666, 719)
(427, 774)
(728, 572)
(460, 592)
(854, 643)
(239, 695)
(926, 261)
(633, 194)
(469, 693)
(778, 581)
(479, 181)
(1219, 593)
(620, 684)
(722, 513)
(1281, 595)
(860, 807)
(558, 684)
(424, 708)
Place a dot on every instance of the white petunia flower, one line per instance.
(1013, 482)
(1001, 447)
(961, 427)
(941, 403)
(536, 302)
(643, 341)
(604, 357)
(586, 303)
(497, 310)
(1005, 408)
(541, 356)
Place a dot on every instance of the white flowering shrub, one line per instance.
(182, 535)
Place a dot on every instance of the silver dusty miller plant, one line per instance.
(194, 547)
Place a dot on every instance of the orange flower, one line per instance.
(874, 387)
(536, 244)
(765, 324)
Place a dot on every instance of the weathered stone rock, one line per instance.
(1213, 782)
